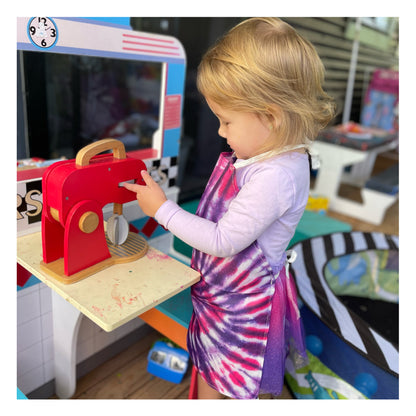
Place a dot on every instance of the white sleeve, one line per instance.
(260, 201)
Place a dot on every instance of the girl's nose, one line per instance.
(221, 132)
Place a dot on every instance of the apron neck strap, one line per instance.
(270, 153)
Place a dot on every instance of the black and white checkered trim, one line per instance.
(164, 171)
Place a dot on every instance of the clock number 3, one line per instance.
(42, 32)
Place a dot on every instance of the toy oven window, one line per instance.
(70, 101)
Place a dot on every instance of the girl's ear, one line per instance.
(274, 116)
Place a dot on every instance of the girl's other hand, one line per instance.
(150, 196)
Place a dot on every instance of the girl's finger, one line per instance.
(131, 186)
(148, 180)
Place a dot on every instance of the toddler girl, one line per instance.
(263, 82)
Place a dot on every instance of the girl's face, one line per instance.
(246, 133)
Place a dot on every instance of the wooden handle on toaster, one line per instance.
(86, 153)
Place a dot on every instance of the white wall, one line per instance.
(35, 337)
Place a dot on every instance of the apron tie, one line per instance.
(290, 258)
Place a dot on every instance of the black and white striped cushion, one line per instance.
(308, 271)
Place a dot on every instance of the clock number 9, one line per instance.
(42, 32)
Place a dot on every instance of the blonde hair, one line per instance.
(264, 66)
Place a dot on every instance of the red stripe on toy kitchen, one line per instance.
(159, 46)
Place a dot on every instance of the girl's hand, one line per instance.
(150, 196)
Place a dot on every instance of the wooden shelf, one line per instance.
(114, 296)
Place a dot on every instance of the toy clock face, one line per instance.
(42, 32)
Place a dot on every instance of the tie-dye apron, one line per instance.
(245, 317)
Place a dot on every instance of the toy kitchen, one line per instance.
(97, 103)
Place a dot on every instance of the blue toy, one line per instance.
(167, 361)
(366, 383)
(314, 345)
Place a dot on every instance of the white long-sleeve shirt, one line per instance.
(272, 197)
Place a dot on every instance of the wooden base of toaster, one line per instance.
(132, 249)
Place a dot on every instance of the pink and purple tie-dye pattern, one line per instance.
(229, 329)
(285, 336)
